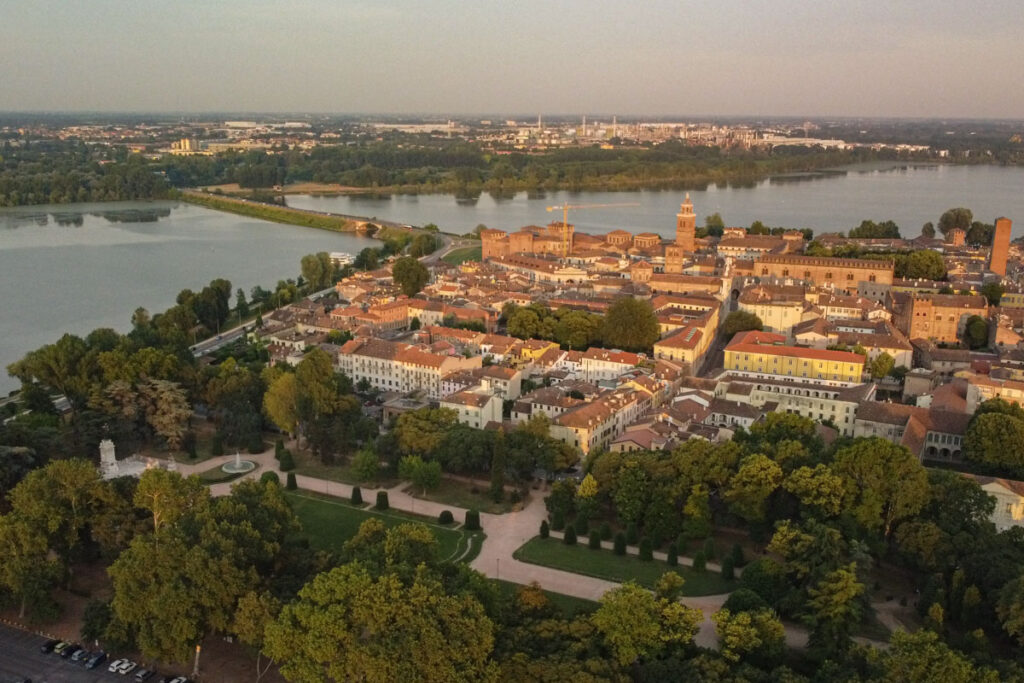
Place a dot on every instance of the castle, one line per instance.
(562, 240)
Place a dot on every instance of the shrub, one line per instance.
(472, 520)
(357, 496)
(382, 500)
(672, 555)
(190, 445)
(682, 543)
(270, 476)
(256, 444)
(632, 534)
(620, 543)
(217, 445)
(738, 559)
(581, 526)
(656, 539)
(709, 549)
(765, 577)
(606, 532)
(728, 572)
(287, 461)
(446, 517)
(595, 540)
(291, 485)
(278, 449)
(545, 530)
(744, 600)
(646, 551)
(515, 497)
(570, 536)
(700, 563)
(557, 521)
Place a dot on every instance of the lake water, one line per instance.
(909, 196)
(73, 268)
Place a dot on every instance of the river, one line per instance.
(73, 268)
(910, 196)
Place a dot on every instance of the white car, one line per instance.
(115, 665)
(127, 667)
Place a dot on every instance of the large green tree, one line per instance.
(958, 218)
(637, 624)
(995, 439)
(630, 324)
(349, 625)
(740, 321)
(410, 275)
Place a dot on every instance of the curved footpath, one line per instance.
(505, 534)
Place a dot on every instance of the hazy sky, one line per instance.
(773, 57)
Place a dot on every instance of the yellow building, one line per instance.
(766, 354)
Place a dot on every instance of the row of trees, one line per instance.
(629, 324)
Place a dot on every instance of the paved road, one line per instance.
(20, 657)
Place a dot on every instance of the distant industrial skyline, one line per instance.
(918, 58)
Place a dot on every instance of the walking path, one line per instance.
(505, 534)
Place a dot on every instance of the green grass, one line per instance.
(569, 605)
(604, 564)
(330, 522)
(269, 212)
(215, 475)
(460, 494)
(462, 254)
(307, 465)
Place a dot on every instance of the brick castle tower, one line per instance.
(686, 226)
(1000, 246)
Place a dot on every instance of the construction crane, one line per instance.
(564, 208)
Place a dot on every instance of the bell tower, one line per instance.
(686, 226)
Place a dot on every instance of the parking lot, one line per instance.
(20, 658)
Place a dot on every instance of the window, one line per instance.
(828, 275)
(849, 277)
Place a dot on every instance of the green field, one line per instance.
(269, 212)
(604, 564)
(329, 522)
(457, 256)
(460, 494)
(569, 605)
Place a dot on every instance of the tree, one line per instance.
(586, 497)
(524, 323)
(818, 489)
(756, 480)
(255, 612)
(410, 275)
(318, 270)
(928, 230)
(976, 332)
(632, 492)
(26, 571)
(882, 365)
(995, 439)
(740, 321)
(993, 291)
(421, 432)
(365, 465)
(635, 624)
(714, 221)
(885, 483)
(872, 230)
(959, 218)
(758, 632)
(498, 465)
(426, 475)
(834, 609)
(281, 402)
(926, 265)
(167, 410)
(241, 304)
(922, 656)
(630, 324)
(1010, 608)
(168, 495)
(348, 625)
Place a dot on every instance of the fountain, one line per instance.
(238, 466)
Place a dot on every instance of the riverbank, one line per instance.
(273, 213)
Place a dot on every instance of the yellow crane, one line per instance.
(564, 208)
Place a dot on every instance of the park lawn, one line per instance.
(604, 564)
(330, 522)
(460, 494)
(215, 475)
(308, 466)
(462, 254)
(570, 606)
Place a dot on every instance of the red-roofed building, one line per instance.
(757, 353)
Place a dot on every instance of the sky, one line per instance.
(880, 58)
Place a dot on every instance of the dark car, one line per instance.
(81, 655)
(95, 660)
(47, 647)
(70, 650)
(144, 674)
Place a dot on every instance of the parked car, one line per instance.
(60, 647)
(180, 679)
(70, 650)
(115, 665)
(81, 655)
(144, 674)
(95, 660)
(47, 647)
(127, 666)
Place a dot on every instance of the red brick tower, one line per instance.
(1000, 246)
(686, 226)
